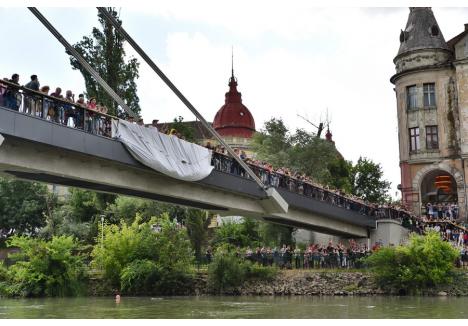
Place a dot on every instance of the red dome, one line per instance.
(233, 118)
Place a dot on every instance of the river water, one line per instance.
(237, 307)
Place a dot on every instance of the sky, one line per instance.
(289, 60)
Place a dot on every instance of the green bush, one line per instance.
(426, 261)
(133, 253)
(256, 271)
(139, 277)
(228, 271)
(225, 271)
(44, 268)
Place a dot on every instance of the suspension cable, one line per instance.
(158, 71)
(83, 62)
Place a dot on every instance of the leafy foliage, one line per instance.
(197, 222)
(104, 51)
(44, 268)
(184, 129)
(275, 234)
(140, 277)
(367, 183)
(301, 152)
(228, 271)
(426, 261)
(126, 250)
(83, 204)
(237, 234)
(126, 208)
(23, 206)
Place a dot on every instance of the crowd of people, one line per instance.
(442, 211)
(314, 256)
(89, 115)
(302, 184)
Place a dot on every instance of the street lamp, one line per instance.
(102, 241)
(102, 231)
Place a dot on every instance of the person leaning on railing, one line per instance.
(30, 100)
(12, 99)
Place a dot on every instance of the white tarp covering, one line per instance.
(167, 154)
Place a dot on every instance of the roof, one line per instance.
(234, 118)
(421, 32)
(451, 43)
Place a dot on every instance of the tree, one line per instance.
(242, 233)
(183, 128)
(51, 268)
(272, 143)
(367, 183)
(23, 206)
(137, 257)
(340, 172)
(126, 208)
(104, 51)
(301, 152)
(197, 222)
(274, 235)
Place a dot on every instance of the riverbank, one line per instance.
(331, 283)
(304, 283)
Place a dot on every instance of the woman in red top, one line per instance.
(91, 116)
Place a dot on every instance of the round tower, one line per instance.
(428, 127)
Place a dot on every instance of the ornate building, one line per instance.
(431, 87)
(233, 121)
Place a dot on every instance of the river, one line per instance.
(237, 307)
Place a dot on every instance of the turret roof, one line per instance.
(421, 32)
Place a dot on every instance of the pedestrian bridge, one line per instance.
(39, 150)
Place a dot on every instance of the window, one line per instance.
(411, 97)
(429, 95)
(414, 139)
(432, 138)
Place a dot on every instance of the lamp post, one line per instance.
(102, 231)
(102, 241)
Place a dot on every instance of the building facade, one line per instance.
(431, 88)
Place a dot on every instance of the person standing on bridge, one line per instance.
(69, 109)
(91, 119)
(29, 99)
(57, 113)
(11, 94)
(154, 124)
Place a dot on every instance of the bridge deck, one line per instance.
(18, 127)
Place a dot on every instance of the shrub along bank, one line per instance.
(425, 262)
(156, 258)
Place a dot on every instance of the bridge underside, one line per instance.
(101, 164)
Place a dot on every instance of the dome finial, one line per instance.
(232, 61)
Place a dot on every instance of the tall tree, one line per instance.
(104, 51)
(23, 207)
(367, 181)
(197, 222)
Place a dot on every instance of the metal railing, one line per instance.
(58, 110)
(61, 111)
(225, 164)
